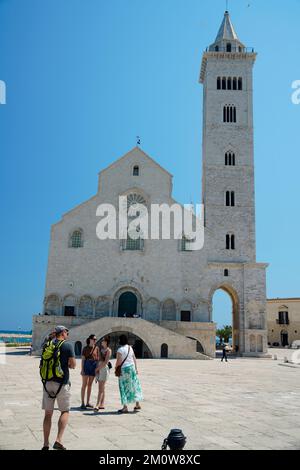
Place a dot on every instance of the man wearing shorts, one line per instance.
(68, 361)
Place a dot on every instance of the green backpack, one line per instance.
(50, 365)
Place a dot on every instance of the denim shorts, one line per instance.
(89, 367)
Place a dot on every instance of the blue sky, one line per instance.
(85, 78)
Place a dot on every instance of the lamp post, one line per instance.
(175, 440)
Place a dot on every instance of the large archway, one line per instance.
(141, 349)
(225, 313)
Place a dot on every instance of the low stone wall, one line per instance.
(205, 333)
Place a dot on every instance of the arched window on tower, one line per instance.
(227, 198)
(230, 241)
(228, 47)
(229, 113)
(230, 199)
(219, 83)
(240, 83)
(229, 159)
(234, 83)
(224, 83)
(229, 83)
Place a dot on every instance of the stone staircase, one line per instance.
(179, 347)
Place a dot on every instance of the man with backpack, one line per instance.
(57, 358)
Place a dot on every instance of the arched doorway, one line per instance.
(127, 304)
(140, 348)
(225, 313)
(78, 348)
(284, 338)
(164, 351)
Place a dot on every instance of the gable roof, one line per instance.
(130, 152)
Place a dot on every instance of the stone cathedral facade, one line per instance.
(157, 291)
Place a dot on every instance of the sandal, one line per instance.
(58, 446)
(123, 411)
(96, 409)
(137, 408)
(89, 406)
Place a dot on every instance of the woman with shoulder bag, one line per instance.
(126, 371)
(89, 361)
(102, 371)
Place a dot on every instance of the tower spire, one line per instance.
(226, 30)
(227, 40)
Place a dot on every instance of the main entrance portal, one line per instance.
(127, 304)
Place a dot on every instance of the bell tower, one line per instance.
(228, 167)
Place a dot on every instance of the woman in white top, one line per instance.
(129, 384)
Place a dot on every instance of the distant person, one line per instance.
(57, 384)
(127, 372)
(224, 353)
(89, 360)
(30, 350)
(102, 372)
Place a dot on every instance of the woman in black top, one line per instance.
(90, 357)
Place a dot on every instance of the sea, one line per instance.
(15, 336)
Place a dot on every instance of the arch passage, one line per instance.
(235, 323)
(140, 348)
(127, 304)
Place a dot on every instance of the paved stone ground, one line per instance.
(242, 404)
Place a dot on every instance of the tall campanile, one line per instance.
(228, 185)
(228, 167)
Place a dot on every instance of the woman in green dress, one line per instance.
(129, 384)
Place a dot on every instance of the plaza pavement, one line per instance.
(242, 404)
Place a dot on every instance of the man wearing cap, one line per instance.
(68, 361)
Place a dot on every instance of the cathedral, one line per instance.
(157, 291)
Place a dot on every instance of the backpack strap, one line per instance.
(54, 395)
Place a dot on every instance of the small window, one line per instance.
(234, 83)
(185, 315)
(217, 48)
(229, 113)
(131, 244)
(229, 83)
(229, 159)
(184, 244)
(223, 83)
(219, 83)
(226, 272)
(240, 83)
(228, 47)
(76, 239)
(230, 241)
(136, 170)
(230, 198)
